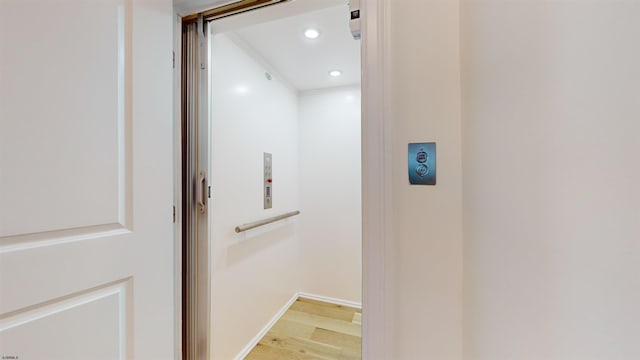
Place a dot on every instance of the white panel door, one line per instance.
(86, 233)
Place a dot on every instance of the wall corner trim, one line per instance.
(331, 300)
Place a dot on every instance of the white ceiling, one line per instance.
(305, 63)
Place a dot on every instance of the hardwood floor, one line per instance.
(313, 329)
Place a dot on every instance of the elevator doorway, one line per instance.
(285, 83)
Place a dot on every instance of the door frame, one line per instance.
(377, 255)
(177, 176)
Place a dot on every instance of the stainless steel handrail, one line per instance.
(254, 225)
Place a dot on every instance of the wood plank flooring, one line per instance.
(311, 330)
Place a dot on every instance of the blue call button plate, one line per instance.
(422, 163)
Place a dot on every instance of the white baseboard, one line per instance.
(256, 339)
(331, 300)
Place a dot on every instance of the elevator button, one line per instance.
(422, 170)
(422, 157)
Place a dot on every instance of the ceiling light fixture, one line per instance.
(241, 89)
(311, 33)
(335, 73)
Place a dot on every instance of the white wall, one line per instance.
(256, 272)
(424, 261)
(551, 199)
(330, 196)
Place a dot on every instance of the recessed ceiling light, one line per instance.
(311, 33)
(241, 89)
(335, 73)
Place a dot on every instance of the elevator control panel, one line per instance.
(422, 163)
(268, 181)
(354, 21)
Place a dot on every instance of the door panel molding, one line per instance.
(120, 290)
(47, 308)
(59, 237)
(100, 158)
